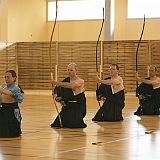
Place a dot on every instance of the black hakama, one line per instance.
(10, 120)
(73, 108)
(149, 100)
(111, 109)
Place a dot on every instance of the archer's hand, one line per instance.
(98, 80)
(101, 98)
(1, 89)
(137, 77)
(54, 82)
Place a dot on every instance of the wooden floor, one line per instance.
(134, 138)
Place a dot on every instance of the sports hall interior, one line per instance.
(27, 47)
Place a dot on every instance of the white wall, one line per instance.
(131, 29)
(26, 20)
(3, 20)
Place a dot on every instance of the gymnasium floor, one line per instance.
(134, 138)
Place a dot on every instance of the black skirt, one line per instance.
(150, 101)
(112, 108)
(72, 113)
(10, 120)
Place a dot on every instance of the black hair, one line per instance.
(13, 73)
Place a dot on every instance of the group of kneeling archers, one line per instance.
(71, 95)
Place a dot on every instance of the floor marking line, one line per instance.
(122, 139)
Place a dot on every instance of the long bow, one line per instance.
(138, 47)
(50, 58)
(97, 50)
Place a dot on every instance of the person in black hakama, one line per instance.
(111, 91)
(10, 116)
(70, 93)
(148, 93)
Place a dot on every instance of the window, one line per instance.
(139, 8)
(76, 10)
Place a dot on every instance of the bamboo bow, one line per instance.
(97, 50)
(50, 58)
(138, 47)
